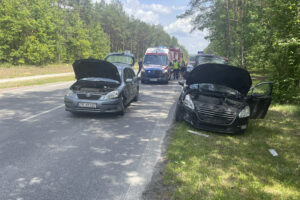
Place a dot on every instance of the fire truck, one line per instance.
(157, 64)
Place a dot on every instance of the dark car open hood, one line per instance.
(87, 68)
(233, 77)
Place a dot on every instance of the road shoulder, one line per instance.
(156, 189)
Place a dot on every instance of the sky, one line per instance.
(164, 12)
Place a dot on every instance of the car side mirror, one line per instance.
(129, 80)
(181, 82)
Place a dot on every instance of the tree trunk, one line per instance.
(242, 54)
(242, 47)
(235, 27)
(228, 29)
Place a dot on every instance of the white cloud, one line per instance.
(194, 41)
(149, 13)
(158, 13)
(106, 1)
(182, 25)
(136, 9)
(158, 8)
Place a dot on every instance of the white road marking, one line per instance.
(24, 89)
(42, 113)
(34, 77)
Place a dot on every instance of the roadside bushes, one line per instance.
(39, 32)
(286, 73)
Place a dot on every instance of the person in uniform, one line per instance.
(176, 69)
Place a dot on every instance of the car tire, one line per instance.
(179, 113)
(123, 108)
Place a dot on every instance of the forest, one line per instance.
(261, 35)
(39, 32)
(258, 35)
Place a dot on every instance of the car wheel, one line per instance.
(179, 113)
(123, 108)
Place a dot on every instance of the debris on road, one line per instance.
(273, 152)
(197, 133)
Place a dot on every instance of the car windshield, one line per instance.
(215, 88)
(209, 59)
(156, 59)
(120, 59)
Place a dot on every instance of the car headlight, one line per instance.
(111, 95)
(69, 93)
(164, 70)
(188, 102)
(245, 112)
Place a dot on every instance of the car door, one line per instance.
(127, 88)
(134, 86)
(260, 99)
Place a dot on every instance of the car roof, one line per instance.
(122, 67)
(207, 55)
(119, 53)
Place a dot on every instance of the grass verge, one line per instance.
(238, 166)
(20, 71)
(36, 81)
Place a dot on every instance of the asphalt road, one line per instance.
(48, 153)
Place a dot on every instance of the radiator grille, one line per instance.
(153, 73)
(89, 96)
(215, 115)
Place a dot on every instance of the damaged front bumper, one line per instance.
(238, 125)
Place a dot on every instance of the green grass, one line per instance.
(20, 71)
(37, 81)
(238, 166)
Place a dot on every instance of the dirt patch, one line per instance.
(156, 189)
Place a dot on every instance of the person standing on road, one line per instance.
(175, 69)
(140, 65)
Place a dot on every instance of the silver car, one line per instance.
(102, 86)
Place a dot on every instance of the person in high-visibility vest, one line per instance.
(175, 69)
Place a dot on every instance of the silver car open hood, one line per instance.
(93, 68)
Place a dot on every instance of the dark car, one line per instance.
(209, 58)
(202, 58)
(215, 98)
(101, 86)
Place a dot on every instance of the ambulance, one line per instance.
(156, 65)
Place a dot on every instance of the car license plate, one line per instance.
(87, 105)
(153, 79)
